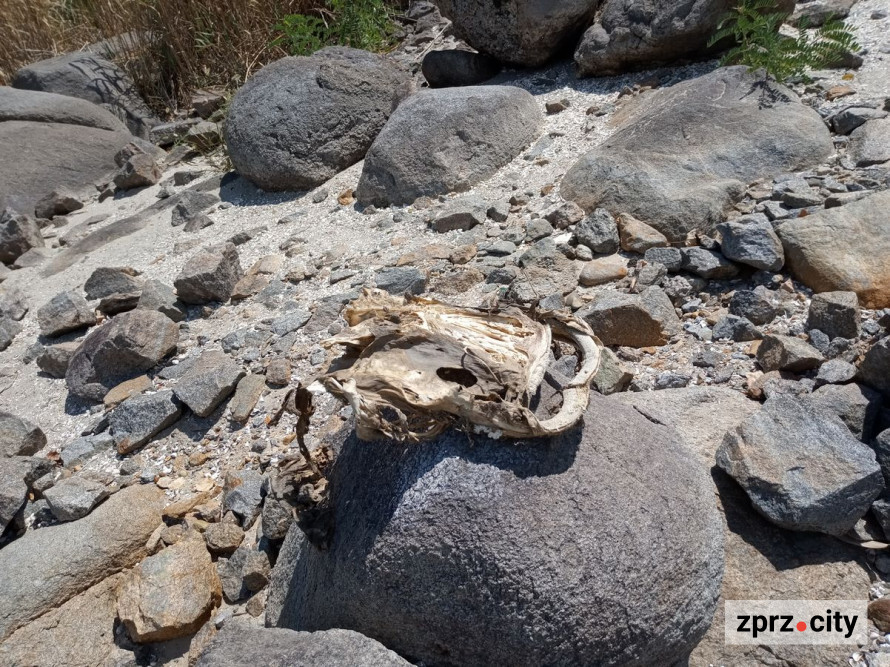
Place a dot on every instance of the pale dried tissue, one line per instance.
(412, 367)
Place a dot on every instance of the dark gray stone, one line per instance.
(836, 371)
(58, 202)
(9, 329)
(753, 243)
(13, 303)
(881, 445)
(73, 498)
(540, 520)
(453, 67)
(462, 214)
(635, 320)
(757, 305)
(735, 328)
(108, 280)
(857, 406)
(243, 494)
(670, 258)
(599, 232)
(801, 467)
(65, 312)
(209, 276)
(122, 348)
(787, 353)
(190, 206)
(161, 297)
(844, 122)
(401, 280)
(54, 359)
(447, 140)
(300, 121)
(708, 264)
(836, 314)
(83, 448)
(870, 143)
(208, 382)
(18, 234)
(714, 137)
(93, 78)
(294, 320)
(239, 645)
(875, 368)
(19, 437)
(138, 419)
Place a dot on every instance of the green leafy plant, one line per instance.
(361, 24)
(753, 27)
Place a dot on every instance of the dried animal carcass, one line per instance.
(414, 366)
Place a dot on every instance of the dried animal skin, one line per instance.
(413, 366)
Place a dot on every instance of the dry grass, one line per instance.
(185, 44)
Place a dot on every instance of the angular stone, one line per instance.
(108, 280)
(191, 204)
(603, 270)
(58, 202)
(709, 264)
(849, 119)
(857, 406)
(19, 437)
(243, 494)
(801, 467)
(65, 312)
(637, 236)
(753, 243)
(210, 380)
(294, 320)
(461, 215)
(870, 143)
(139, 171)
(599, 232)
(18, 234)
(835, 314)
(757, 305)
(401, 280)
(835, 371)
(138, 419)
(13, 304)
(126, 346)
(223, 538)
(447, 140)
(787, 353)
(209, 276)
(13, 487)
(159, 296)
(735, 328)
(452, 67)
(835, 249)
(54, 359)
(9, 329)
(611, 377)
(670, 258)
(43, 569)
(73, 498)
(127, 389)
(247, 393)
(875, 368)
(79, 450)
(420, 601)
(170, 594)
(566, 215)
(635, 320)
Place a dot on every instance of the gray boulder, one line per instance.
(401, 279)
(9, 329)
(65, 312)
(300, 121)
(847, 120)
(635, 320)
(875, 368)
(42, 107)
(599, 232)
(108, 280)
(138, 419)
(881, 445)
(122, 348)
(758, 305)
(801, 467)
(240, 645)
(629, 34)
(162, 298)
(73, 498)
(210, 275)
(787, 353)
(43, 569)
(735, 328)
(857, 406)
(83, 448)
(190, 206)
(13, 487)
(540, 537)
(447, 140)
(709, 264)
(453, 67)
(18, 234)
(54, 359)
(670, 258)
(60, 156)
(753, 243)
(19, 437)
(208, 382)
(91, 78)
(835, 314)
(870, 143)
(685, 153)
(243, 493)
(522, 32)
(835, 249)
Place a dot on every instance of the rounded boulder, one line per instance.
(301, 120)
(602, 546)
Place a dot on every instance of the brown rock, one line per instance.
(463, 254)
(170, 594)
(278, 372)
(125, 390)
(223, 538)
(603, 270)
(247, 393)
(637, 236)
(787, 353)
(878, 612)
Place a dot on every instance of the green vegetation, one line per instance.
(753, 26)
(361, 24)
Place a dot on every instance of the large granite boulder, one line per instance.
(126, 346)
(631, 34)
(38, 158)
(447, 140)
(601, 546)
(92, 78)
(763, 561)
(520, 32)
(240, 645)
(299, 121)
(685, 153)
(843, 249)
(39, 107)
(43, 569)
